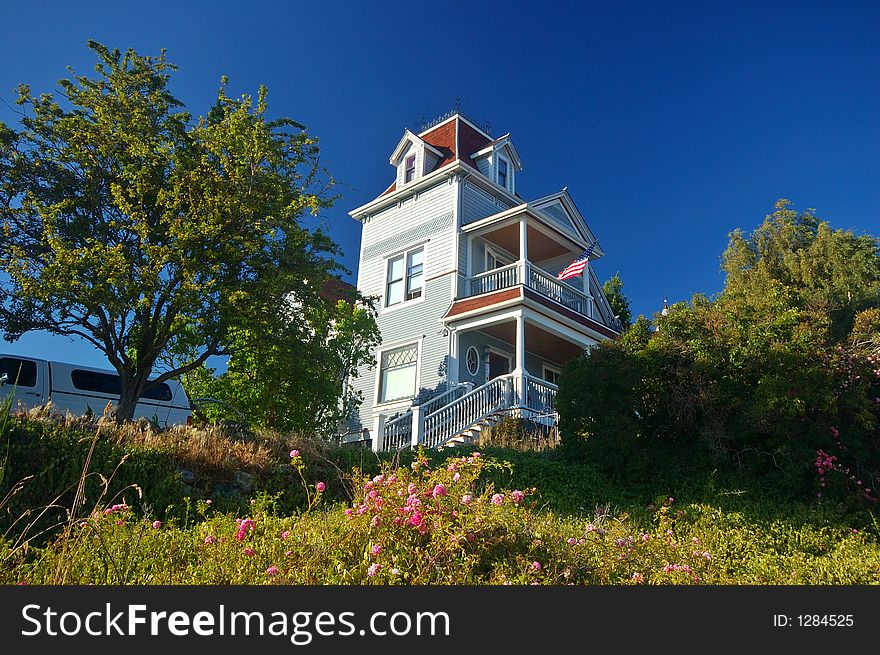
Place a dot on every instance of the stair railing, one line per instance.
(451, 420)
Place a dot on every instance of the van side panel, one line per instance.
(34, 390)
(66, 396)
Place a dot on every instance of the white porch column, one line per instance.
(453, 366)
(418, 425)
(523, 251)
(519, 382)
(378, 429)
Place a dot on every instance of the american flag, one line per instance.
(577, 266)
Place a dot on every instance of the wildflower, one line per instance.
(571, 541)
(272, 570)
(209, 502)
(375, 549)
(456, 477)
(320, 486)
(285, 534)
(120, 522)
(157, 525)
(536, 566)
(374, 569)
(696, 540)
(288, 553)
(497, 499)
(294, 453)
(83, 524)
(375, 521)
(476, 455)
(412, 488)
(638, 577)
(210, 539)
(250, 552)
(395, 571)
(466, 499)
(517, 496)
(439, 491)
(349, 513)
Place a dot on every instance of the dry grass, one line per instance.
(210, 451)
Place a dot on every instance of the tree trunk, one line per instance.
(133, 385)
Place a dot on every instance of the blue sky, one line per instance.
(670, 123)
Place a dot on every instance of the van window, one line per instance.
(19, 371)
(110, 384)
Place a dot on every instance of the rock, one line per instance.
(187, 477)
(244, 481)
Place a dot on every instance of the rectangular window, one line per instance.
(502, 172)
(405, 277)
(397, 373)
(409, 169)
(551, 374)
(111, 384)
(19, 372)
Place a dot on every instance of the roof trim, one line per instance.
(412, 138)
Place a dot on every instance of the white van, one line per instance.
(81, 389)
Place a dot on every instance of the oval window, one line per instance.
(473, 360)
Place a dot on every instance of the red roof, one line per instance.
(443, 138)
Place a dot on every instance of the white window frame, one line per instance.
(508, 180)
(553, 369)
(399, 402)
(415, 159)
(406, 257)
(508, 356)
(496, 254)
(479, 361)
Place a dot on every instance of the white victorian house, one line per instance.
(474, 322)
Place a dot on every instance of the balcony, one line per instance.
(531, 277)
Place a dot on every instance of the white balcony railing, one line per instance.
(537, 280)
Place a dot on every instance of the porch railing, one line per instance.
(446, 397)
(494, 280)
(565, 294)
(535, 279)
(397, 432)
(540, 395)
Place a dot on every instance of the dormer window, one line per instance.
(502, 172)
(409, 169)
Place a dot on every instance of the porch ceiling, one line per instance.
(540, 342)
(540, 246)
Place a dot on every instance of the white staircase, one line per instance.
(459, 415)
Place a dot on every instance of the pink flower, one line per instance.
(209, 502)
(250, 552)
(412, 488)
(285, 534)
(439, 491)
(320, 486)
(375, 521)
(497, 499)
(466, 499)
(272, 570)
(456, 477)
(476, 454)
(210, 539)
(288, 553)
(638, 577)
(374, 569)
(517, 496)
(294, 453)
(157, 525)
(536, 566)
(571, 541)
(375, 550)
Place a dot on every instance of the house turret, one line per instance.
(464, 274)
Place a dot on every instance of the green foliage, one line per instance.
(443, 524)
(155, 237)
(618, 301)
(759, 382)
(296, 377)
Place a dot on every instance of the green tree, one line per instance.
(147, 233)
(779, 368)
(618, 301)
(296, 377)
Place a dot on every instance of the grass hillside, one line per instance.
(84, 503)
